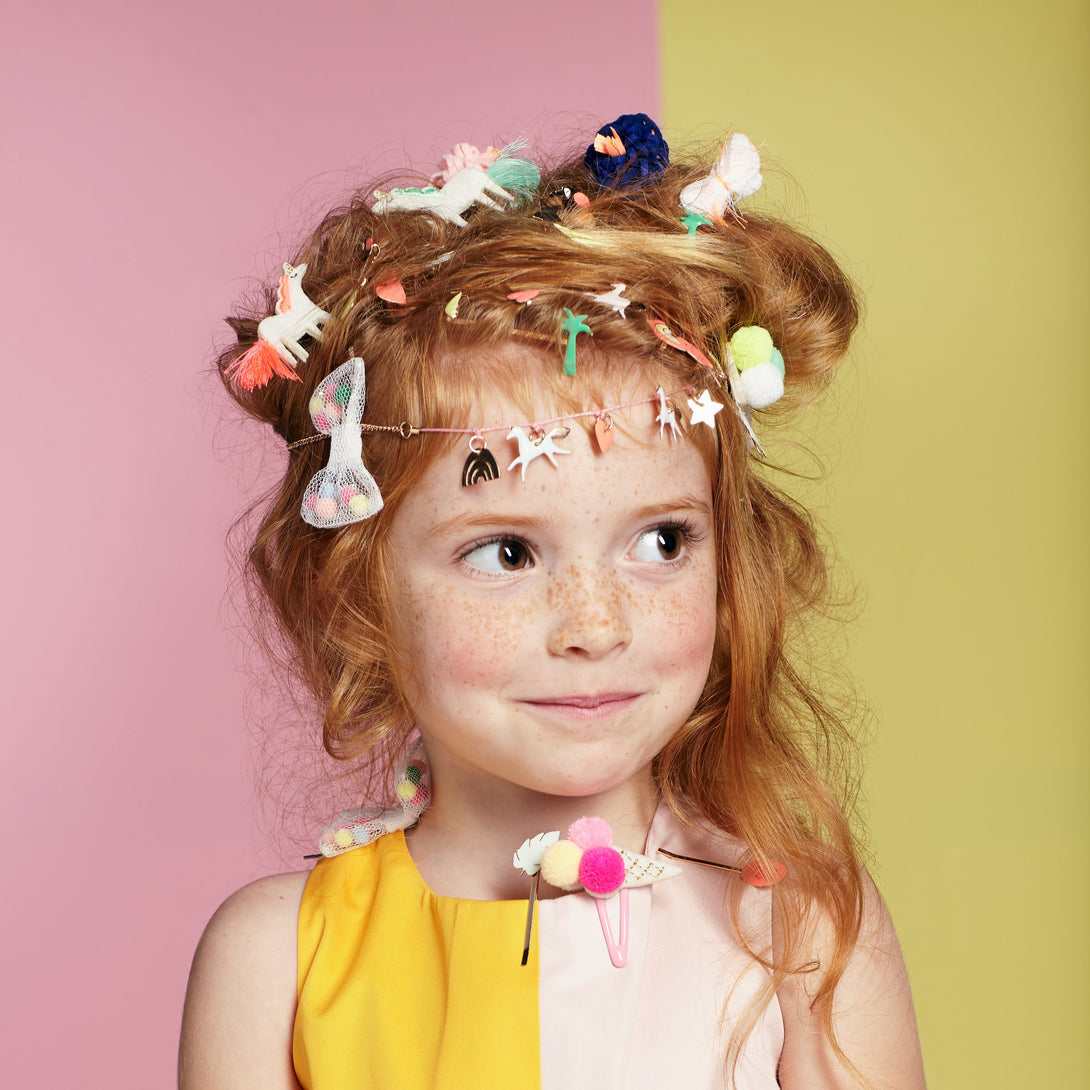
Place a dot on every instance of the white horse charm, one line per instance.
(534, 445)
(296, 317)
(467, 187)
(279, 335)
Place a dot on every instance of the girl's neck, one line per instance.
(464, 843)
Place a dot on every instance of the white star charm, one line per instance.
(531, 448)
(666, 418)
(614, 300)
(704, 410)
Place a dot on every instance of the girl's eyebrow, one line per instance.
(684, 504)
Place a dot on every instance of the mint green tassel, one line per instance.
(518, 176)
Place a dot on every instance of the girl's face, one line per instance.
(554, 634)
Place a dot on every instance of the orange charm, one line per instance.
(603, 432)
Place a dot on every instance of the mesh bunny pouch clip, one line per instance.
(343, 491)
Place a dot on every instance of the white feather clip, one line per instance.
(528, 857)
(737, 174)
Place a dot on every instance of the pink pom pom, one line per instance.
(601, 870)
(347, 493)
(311, 502)
(591, 832)
(326, 508)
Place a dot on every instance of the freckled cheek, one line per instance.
(686, 619)
(456, 643)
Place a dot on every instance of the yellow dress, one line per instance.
(391, 987)
(402, 989)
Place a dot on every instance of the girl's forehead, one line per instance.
(517, 383)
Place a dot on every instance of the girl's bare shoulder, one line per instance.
(240, 1003)
(872, 1011)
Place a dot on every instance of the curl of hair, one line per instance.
(758, 757)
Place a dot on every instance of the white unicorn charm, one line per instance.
(467, 187)
(279, 335)
(667, 417)
(533, 445)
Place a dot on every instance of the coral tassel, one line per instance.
(255, 367)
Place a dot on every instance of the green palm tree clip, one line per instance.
(693, 220)
(573, 325)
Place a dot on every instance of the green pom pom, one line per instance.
(777, 361)
(750, 346)
(343, 393)
(518, 176)
(413, 775)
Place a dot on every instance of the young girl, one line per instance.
(529, 559)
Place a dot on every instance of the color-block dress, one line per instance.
(401, 989)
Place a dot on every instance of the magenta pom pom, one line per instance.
(601, 870)
(591, 832)
(347, 493)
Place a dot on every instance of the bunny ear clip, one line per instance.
(344, 491)
(736, 174)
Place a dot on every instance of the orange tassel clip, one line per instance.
(254, 368)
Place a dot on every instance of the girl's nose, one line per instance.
(591, 616)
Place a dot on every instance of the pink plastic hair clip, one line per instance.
(587, 860)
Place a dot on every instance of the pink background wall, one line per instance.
(155, 160)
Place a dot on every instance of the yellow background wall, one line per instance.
(942, 150)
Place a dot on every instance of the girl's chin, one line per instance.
(587, 783)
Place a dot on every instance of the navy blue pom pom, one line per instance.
(645, 153)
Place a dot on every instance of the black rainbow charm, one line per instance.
(479, 466)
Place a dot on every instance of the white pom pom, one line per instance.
(761, 386)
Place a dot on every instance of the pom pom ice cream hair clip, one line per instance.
(279, 335)
(587, 860)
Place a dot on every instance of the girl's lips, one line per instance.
(585, 707)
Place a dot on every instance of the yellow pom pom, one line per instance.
(406, 790)
(359, 504)
(750, 346)
(317, 405)
(343, 838)
(560, 864)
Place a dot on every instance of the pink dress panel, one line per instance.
(663, 1019)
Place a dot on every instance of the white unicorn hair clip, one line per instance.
(737, 174)
(505, 179)
(279, 335)
(343, 491)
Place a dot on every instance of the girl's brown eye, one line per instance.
(504, 555)
(664, 543)
(512, 555)
(669, 542)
